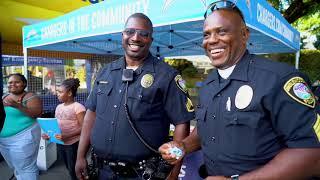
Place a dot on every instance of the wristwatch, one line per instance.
(235, 177)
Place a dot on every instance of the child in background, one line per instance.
(70, 116)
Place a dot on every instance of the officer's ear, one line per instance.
(245, 33)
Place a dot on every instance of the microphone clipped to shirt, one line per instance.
(127, 75)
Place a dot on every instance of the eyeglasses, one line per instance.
(222, 4)
(142, 33)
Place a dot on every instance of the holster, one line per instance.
(93, 168)
(156, 168)
(203, 173)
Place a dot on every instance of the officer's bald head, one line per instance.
(143, 17)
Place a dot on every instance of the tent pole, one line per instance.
(297, 59)
(25, 63)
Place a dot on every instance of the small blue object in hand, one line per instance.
(176, 151)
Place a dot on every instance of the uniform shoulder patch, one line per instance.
(316, 127)
(298, 90)
(189, 105)
(181, 83)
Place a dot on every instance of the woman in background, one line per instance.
(20, 136)
(70, 116)
(2, 115)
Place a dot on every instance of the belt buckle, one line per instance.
(110, 163)
(119, 168)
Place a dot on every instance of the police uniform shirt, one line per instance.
(246, 120)
(154, 101)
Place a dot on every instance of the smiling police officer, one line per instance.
(256, 119)
(154, 95)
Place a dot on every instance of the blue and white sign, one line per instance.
(261, 17)
(32, 61)
(177, 28)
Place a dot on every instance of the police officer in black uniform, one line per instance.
(155, 97)
(256, 118)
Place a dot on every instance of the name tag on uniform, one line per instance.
(102, 82)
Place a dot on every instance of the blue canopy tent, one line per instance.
(178, 25)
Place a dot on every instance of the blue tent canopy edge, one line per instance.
(178, 25)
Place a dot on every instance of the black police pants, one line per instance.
(69, 155)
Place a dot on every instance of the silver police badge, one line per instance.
(243, 97)
(147, 80)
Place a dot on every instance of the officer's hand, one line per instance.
(81, 168)
(165, 151)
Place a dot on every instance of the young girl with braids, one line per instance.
(70, 116)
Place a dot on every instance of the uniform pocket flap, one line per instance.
(104, 88)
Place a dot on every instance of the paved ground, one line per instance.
(56, 172)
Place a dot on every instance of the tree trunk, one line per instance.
(298, 8)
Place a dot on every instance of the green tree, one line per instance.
(309, 63)
(186, 69)
(292, 10)
(304, 15)
(317, 43)
(179, 64)
(309, 23)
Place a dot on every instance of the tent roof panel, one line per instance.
(177, 28)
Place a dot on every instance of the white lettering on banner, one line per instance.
(100, 18)
(145, 6)
(83, 23)
(118, 14)
(268, 19)
(72, 25)
(54, 30)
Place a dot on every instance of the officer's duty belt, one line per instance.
(121, 168)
